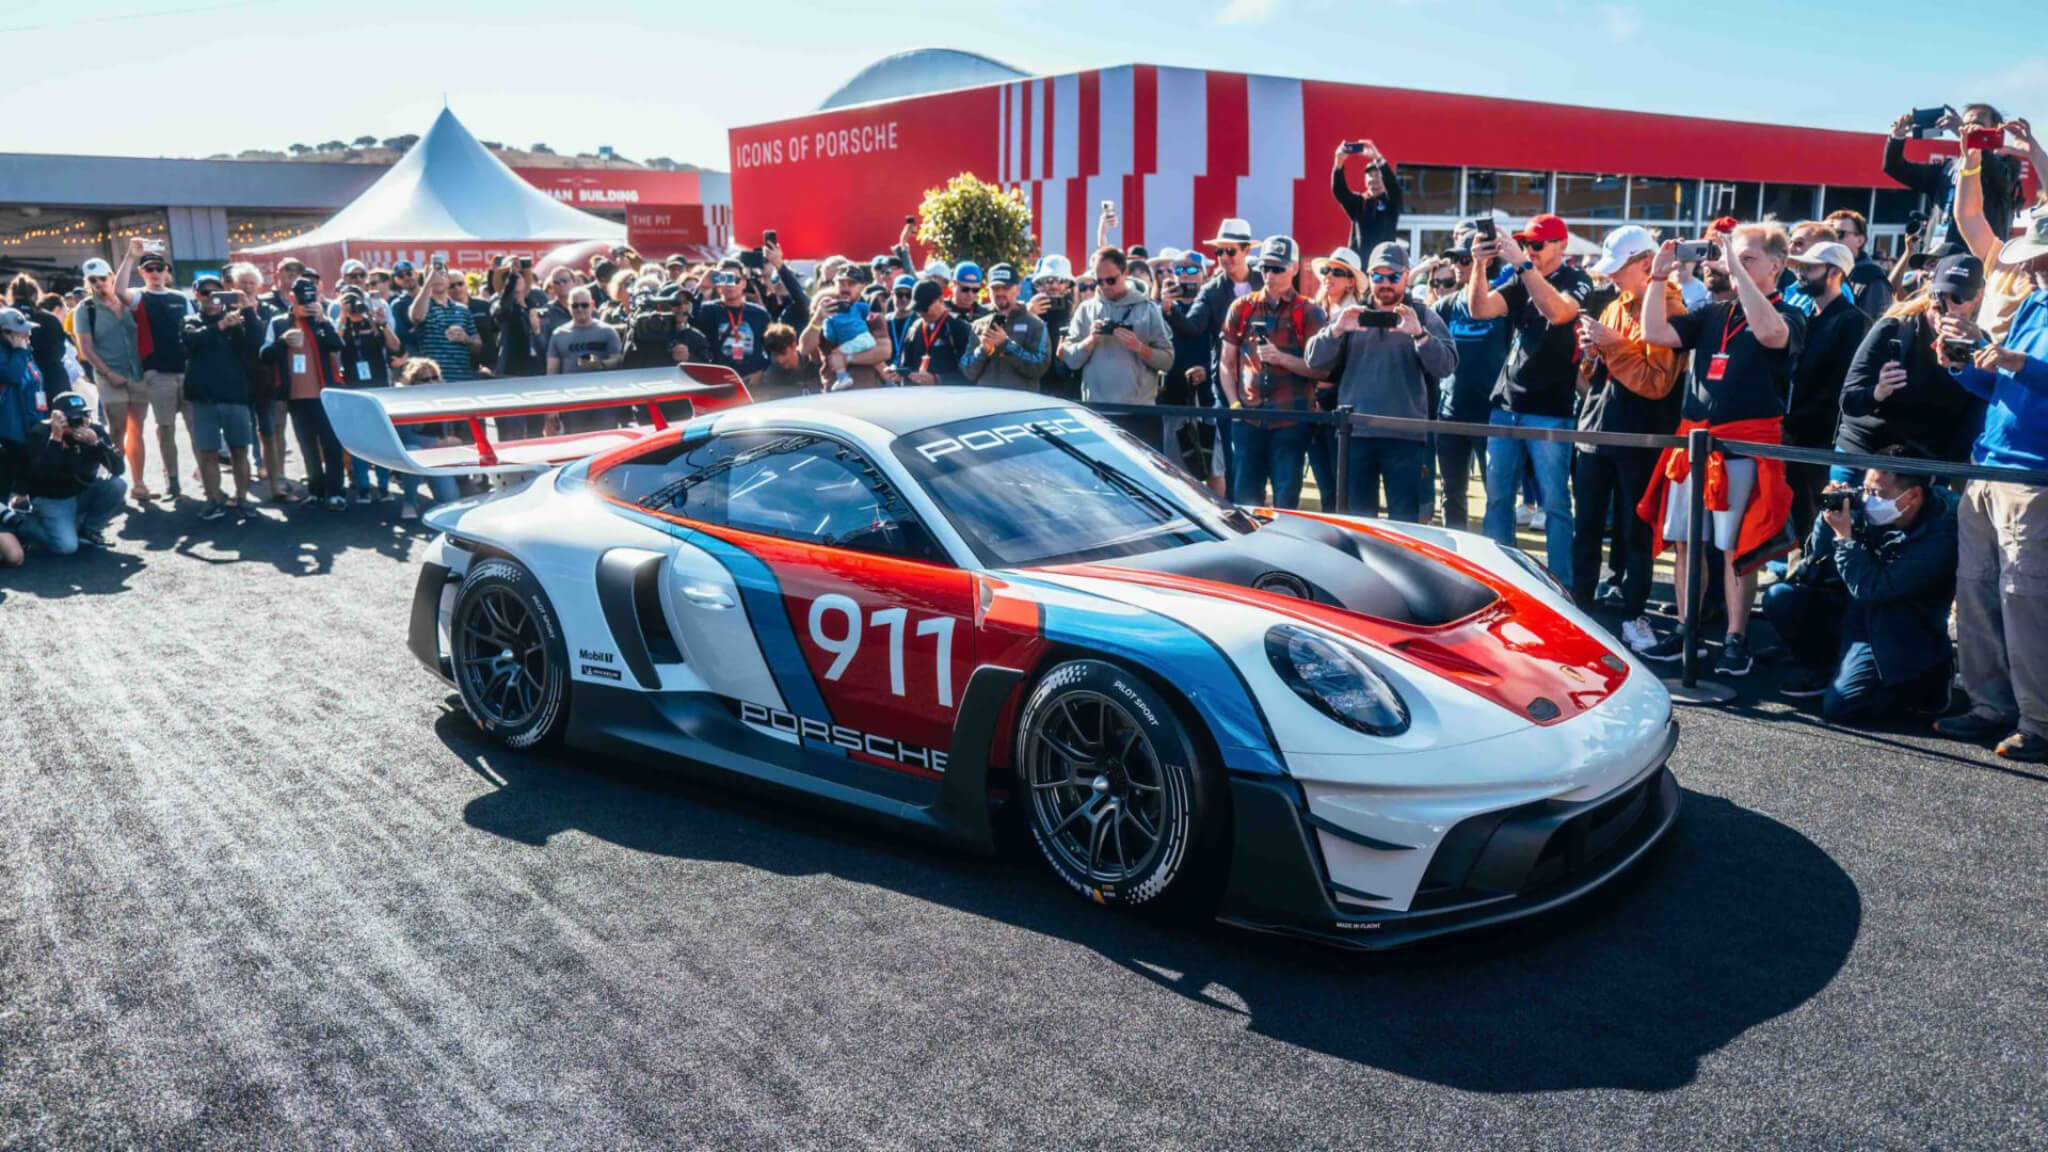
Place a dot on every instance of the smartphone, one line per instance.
(768, 236)
(229, 300)
(1354, 147)
(1377, 318)
(1984, 139)
(910, 219)
(1694, 251)
(1485, 229)
(1896, 351)
(1924, 119)
(1108, 207)
(1259, 329)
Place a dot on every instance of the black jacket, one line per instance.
(1206, 316)
(1190, 350)
(514, 318)
(217, 358)
(1815, 404)
(1373, 221)
(58, 470)
(1900, 584)
(1936, 180)
(1932, 412)
(46, 344)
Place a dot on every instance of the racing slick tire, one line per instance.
(1118, 792)
(506, 650)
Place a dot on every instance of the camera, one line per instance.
(1984, 139)
(526, 263)
(1354, 147)
(1260, 329)
(1915, 221)
(752, 259)
(1377, 318)
(910, 219)
(1959, 351)
(1836, 501)
(1484, 228)
(768, 236)
(228, 300)
(1925, 119)
(1694, 251)
(1106, 327)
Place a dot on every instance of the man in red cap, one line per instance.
(1541, 381)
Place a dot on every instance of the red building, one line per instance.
(1180, 149)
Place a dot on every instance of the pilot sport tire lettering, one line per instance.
(1116, 791)
(505, 647)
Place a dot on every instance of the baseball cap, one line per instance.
(904, 283)
(348, 266)
(149, 258)
(1234, 230)
(2031, 242)
(70, 405)
(403, 267)
(858, 273)
(1278, 251)
(207, 283)
(306, 290)
(1054, 267)
(95, 267)
(1621, 246)
(1545, 227)
(1827, 252)
(1723, 224)
(968, 273)
(1003, 274)
(1959, 277)
(12, 320)
(1138, 252)
(926, 294)
(675, 260)
(937, 270)
(1388, 254)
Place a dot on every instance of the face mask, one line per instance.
(1880, 511)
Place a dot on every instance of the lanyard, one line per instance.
(735, 319)
(1733, 327)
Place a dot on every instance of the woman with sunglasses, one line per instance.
(105, 327)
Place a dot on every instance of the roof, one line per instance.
(449, 188)
(918, 72)
(888, 410)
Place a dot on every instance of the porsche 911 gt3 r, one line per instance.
(954, 607)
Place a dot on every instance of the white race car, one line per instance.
(959, 606)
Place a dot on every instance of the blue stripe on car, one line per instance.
(1177, 654)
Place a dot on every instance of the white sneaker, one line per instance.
(1537, 520)
(1637, 635)
(1525, 515)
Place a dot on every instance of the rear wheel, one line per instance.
(1117, 794)
(511, 666)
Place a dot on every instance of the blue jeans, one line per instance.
(55, 524)
(440, 489)
(359, 475)
(1265, 452)
(1553, 464)
(1397, 463)
(1826, 633)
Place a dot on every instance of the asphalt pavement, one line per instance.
(262, 883)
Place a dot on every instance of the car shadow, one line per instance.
(1736, 919)
(297, 541)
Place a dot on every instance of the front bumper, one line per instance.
(1490, 868)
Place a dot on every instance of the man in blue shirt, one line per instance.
(2002, 569)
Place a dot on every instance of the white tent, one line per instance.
(448, 196)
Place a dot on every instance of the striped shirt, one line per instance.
(432, 334)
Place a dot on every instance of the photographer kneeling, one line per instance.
(61, 469)
(1866, 612)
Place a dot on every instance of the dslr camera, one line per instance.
(1106, 327)
(1836, 501)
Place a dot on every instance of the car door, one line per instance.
(865, 629)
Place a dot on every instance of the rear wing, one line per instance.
(369, 421)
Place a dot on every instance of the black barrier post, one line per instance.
(1340, 469)
(1699, 444)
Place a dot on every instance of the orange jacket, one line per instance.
(1762, 536)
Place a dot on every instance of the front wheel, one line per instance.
(511, 665)
(1118, 795)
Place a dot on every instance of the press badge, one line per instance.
(362, 369)
(298, 363)
(1717, 367)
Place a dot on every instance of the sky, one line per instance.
(656, 77)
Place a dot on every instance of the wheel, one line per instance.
(1118, 794)
(505, 646)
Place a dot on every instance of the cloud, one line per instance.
(2021, 90)
(1247, 11)
(1621, 23)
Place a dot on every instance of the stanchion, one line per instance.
(1689, 688)
(1341, 467)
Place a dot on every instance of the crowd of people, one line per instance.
(1762, 331)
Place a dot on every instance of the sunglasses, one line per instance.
(156, 268)
(1333, 272)
(1271, 270)
(1446, 283)
(579, 307)
(1535, 245)
(95, 279)
(1084, 287)
(1227, 253)
(1109, 281)
(1386, 277)
(1188, 270)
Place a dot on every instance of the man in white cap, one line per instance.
(1233, 245)
(355, 274)
(1626, 385)
(1834, 331)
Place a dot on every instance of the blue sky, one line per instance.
(193, 77)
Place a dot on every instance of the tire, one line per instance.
(506, 650)
(1118, 792)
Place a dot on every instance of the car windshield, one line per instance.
(1060, 485)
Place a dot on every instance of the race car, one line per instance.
(960, 607)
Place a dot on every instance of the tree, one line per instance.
(331, 146)
(662, 163)
(401, 143)
(969, 219)
(366, 141)
(493, 145)
(300, 149)
(542, 149)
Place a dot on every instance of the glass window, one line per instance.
(1737, 199)
(1892, 206)
(1515, 193)
(794, 485)
(1833, 198)
(1596, 197)
(1060, 485)
(1428, 190)
(1434, 242)
(1658, 198)
(1790, 203)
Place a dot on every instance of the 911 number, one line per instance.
(844, 646)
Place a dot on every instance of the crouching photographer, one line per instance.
(1866, 612)
(72, 470)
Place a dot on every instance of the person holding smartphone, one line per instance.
(1935, 179)
(1375, 212)
(220, 341)
(1897, 391)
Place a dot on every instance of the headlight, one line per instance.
(1336, 681)
(1535, 569)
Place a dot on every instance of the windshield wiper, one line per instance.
(1103, 471)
